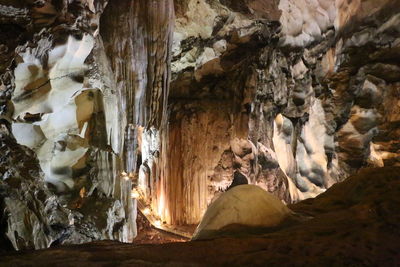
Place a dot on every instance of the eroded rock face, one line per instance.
(289, 93)
(60, 104)
(30, 212)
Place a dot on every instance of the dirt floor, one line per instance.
(149, 235)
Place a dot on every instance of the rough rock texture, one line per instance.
(31, 214)
(59, 103)
(354, 223)
(295, 95)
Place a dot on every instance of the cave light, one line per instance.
(125, 176)
(158, 223)
(161, 204)
(146, 211)
(135, 194)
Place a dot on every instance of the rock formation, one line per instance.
(181, 97)
(295, 95)
(241, 206)
(61, 129)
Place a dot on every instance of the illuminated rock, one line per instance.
(293, 106)
(243, 206)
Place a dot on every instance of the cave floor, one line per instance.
(147, 234)
(355, 223)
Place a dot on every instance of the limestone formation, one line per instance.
(178, 96)
(296, 95)
(241, 206)
(60, 105)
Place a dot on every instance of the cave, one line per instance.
(200, 132)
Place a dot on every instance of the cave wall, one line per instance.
(296, 96)
(62, 138)
(186, 97)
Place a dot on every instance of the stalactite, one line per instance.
(138, 39)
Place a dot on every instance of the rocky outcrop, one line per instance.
(30, 212)
(59, 103)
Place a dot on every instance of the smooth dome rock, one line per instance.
(244, 205)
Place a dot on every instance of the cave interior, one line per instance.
(200, 132)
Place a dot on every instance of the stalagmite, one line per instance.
(242, 206)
